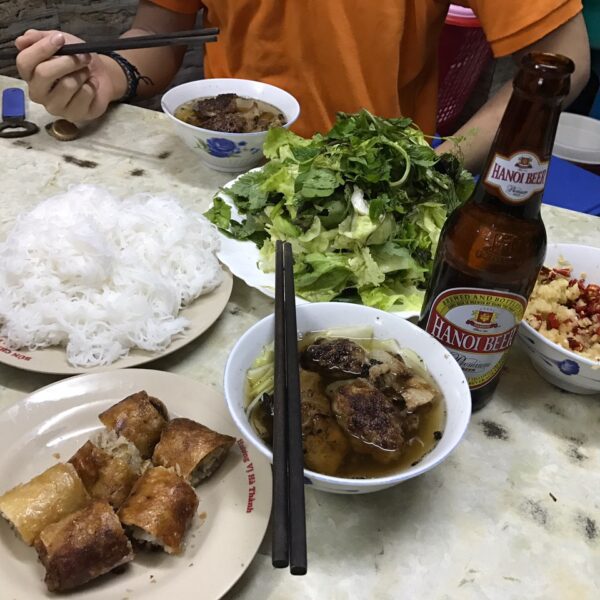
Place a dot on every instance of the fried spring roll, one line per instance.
(83, 546)
(139, 418)
(193, 450)
(108, 467)
(31, 506)
(159, 510)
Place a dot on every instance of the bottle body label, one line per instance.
(478, 326)
(517, 177)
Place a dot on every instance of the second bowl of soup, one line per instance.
(225, 121)
(382, 401)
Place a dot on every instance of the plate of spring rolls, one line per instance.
(127, 484)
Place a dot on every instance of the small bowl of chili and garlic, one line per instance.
(561, 327)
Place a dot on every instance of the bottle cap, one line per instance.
(63, 130)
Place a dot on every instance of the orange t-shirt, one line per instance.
(343, 55)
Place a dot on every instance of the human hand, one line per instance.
(77, 87)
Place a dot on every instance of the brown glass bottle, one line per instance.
(492, 247)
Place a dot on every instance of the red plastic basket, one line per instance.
(463, 55)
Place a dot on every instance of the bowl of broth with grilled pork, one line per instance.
(225, 121)
(381, 400)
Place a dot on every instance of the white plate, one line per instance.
(59, 418)
(242, 258)
(202, 313)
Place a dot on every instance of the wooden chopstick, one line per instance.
(289, 521)
(280, 540)
(181, 38)
(298, 560)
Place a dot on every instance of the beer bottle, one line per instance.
(492, 247)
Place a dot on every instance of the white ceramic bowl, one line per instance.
(231, 152)
(560, 366)
(578, 140)
(319, 316)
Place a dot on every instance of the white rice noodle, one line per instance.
(100, 275)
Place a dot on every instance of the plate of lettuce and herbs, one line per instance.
(362, 207)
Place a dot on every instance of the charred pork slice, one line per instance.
(417, 393)
(221, 104)
(387, 374)
(371, 419)
(313, 400)
(337, 358)
(227, 123)
(391, 375)
(384, 363)
(324, 443)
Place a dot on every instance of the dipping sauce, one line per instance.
(230, 113)
(369, 409)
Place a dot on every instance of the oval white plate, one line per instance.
(202, 313)
(52, 423)
(242, 258)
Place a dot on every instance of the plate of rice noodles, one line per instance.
(105, 502)
(90, 281)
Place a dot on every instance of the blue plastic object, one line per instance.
(13, 104)
(13, 123)
(572, 187)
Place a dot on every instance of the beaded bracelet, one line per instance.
(132, 75)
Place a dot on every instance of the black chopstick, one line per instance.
(280, 541)
(298, 561)
(289, 522)
(181, 38)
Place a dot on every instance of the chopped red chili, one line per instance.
(552, 321)
(583, 328)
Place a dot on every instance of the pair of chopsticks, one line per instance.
(181, 38)
(289, 522)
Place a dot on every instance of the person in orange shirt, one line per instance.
(333, 55)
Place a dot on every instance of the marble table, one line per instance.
(514, 512)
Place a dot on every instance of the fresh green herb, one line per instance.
(362, 206)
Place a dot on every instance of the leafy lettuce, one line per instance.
(362, 206)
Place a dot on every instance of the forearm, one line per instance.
(476, 135)
(158, 64)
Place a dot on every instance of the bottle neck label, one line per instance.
(477, 326)
(517, 177)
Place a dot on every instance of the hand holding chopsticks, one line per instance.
(289, 523)
(181, 38)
